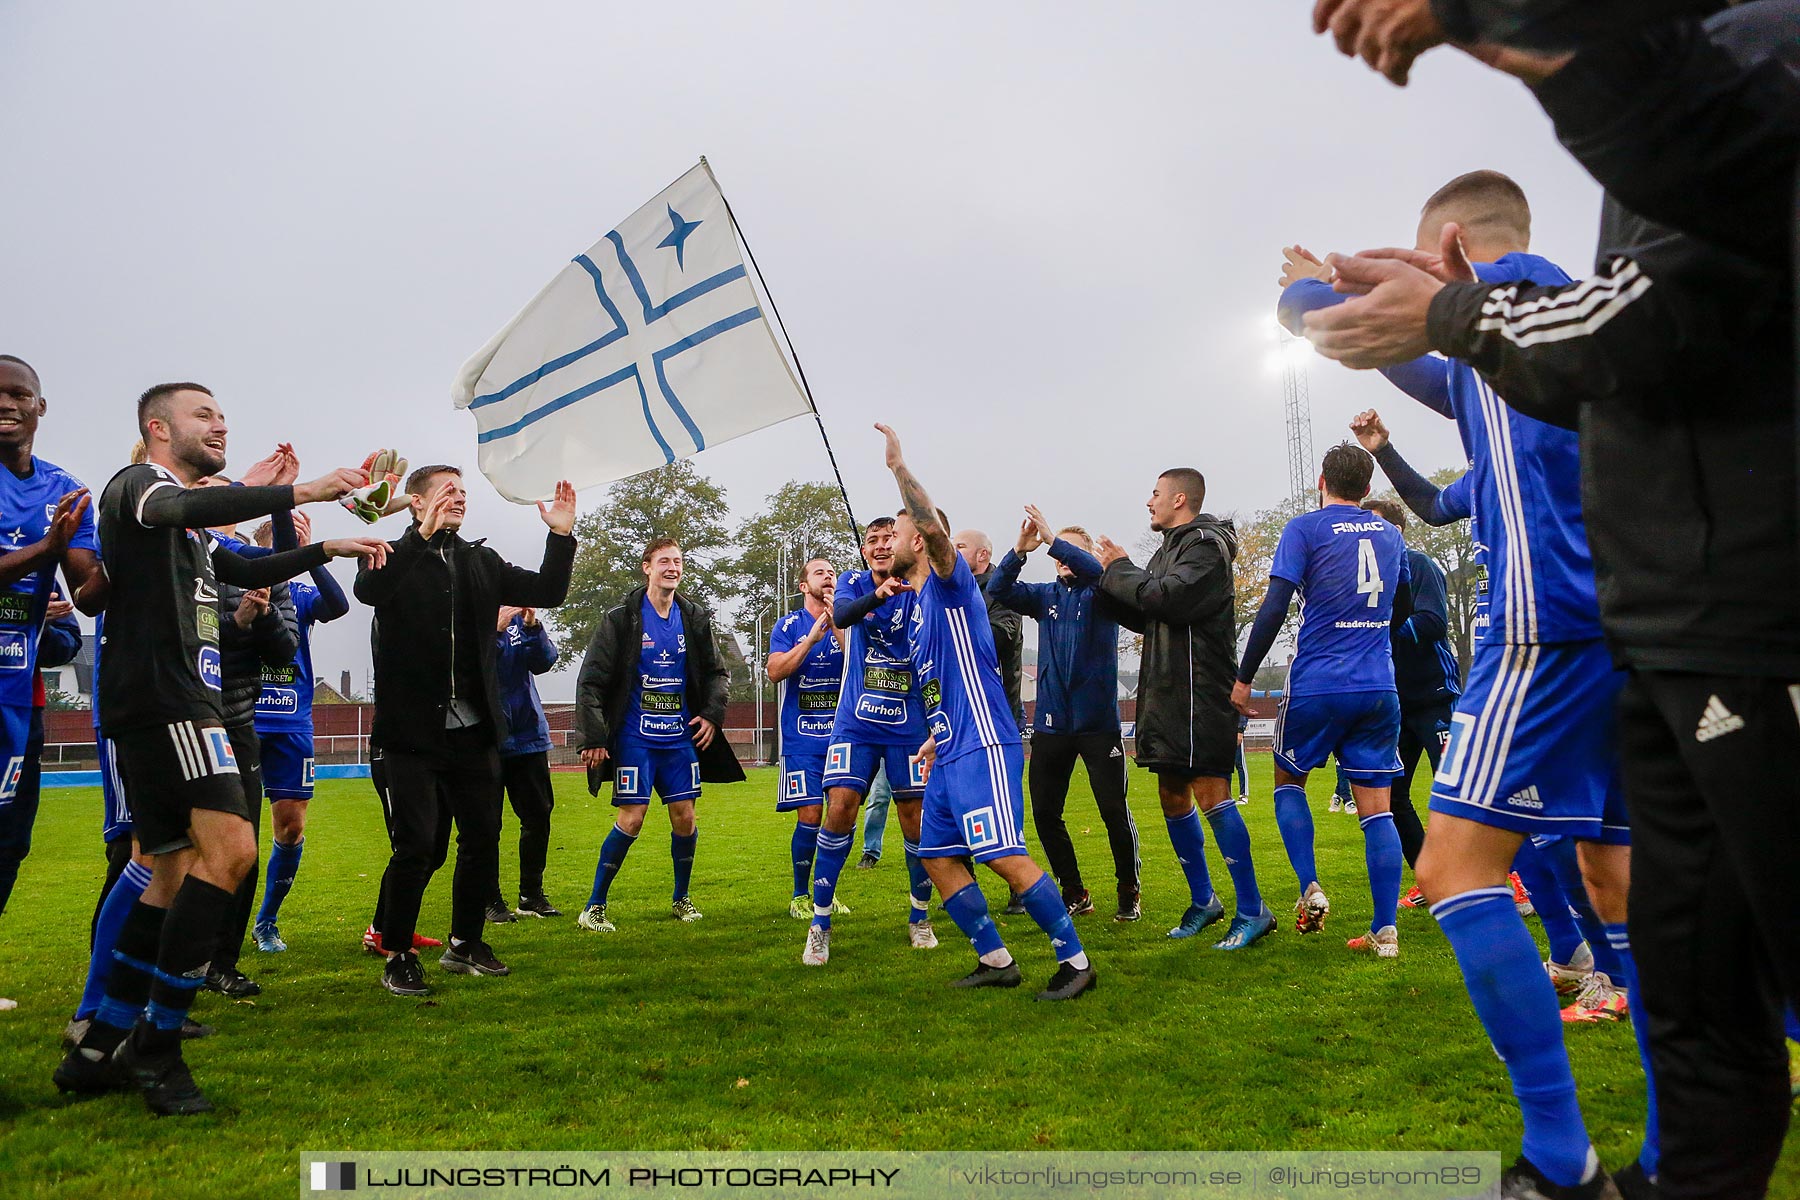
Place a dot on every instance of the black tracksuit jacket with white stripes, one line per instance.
(1675, 362)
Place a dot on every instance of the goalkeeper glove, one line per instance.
(369, 504)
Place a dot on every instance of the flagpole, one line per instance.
(806, 388)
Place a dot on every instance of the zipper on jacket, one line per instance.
(444, 553)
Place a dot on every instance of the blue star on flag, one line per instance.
(679, 229)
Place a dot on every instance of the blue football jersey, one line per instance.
(26, 506)
(1524, 483)
(1526, 501)
(656, 713)
(808, 697)
(1346, 564)
(879, 704)
(959, 670)
(285, 703)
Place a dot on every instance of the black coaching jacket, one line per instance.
(426, 590)
(609, 672)
(1182, 604)
(1676, 363)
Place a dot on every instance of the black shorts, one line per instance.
(1429, 724)
(169, 771)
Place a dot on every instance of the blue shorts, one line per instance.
(115, 819)
(973, 806)
(853, 765)
(1534, 743)
(802, 781)
(1361, 728)
(287, 761)
(673, 772)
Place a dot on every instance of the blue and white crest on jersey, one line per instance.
(794, 784)
(980, 829)
(625, 779)
(837, 758)
(9, 784)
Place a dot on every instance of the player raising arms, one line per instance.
(974, 761)
(806, 658)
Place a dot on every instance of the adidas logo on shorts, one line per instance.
(1527, 798)
(1717, 721)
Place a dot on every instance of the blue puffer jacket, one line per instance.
(520, 653)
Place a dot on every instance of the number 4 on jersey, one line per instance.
(1368, 571)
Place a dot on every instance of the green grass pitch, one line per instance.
(712, 1035)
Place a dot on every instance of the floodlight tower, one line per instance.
(1296, 406)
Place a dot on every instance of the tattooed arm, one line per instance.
(925, 516)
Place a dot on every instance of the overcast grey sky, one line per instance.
(1039, 239)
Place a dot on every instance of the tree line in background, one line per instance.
(739, 572)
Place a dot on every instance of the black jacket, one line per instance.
(1182, 604)
(424, 591)
(609, 671)
(1676, 364)
(1008, 628)
(1557, 24)
(270, 641)
(1692, 124)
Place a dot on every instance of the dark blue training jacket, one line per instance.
(1425, 670)
(1078, 642)
(519, 654)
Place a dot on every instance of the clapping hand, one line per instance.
(254, 604)
(1028, 538)
(1300, 263)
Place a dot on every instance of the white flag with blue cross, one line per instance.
(649, 347)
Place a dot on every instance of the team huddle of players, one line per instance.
(894, 671)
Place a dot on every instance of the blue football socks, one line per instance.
(1233, 839)
(1651, 1155)
(613, 850)
(125, 892)
(834, 849)
(1381, 853)
(284, 862)
(1535, 872)
(804, 845)
(1294, 818)
(1045, 904)
(681, 849)
(969, 909)
(918, 885)
(1189, 839)
(1517, 1006)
